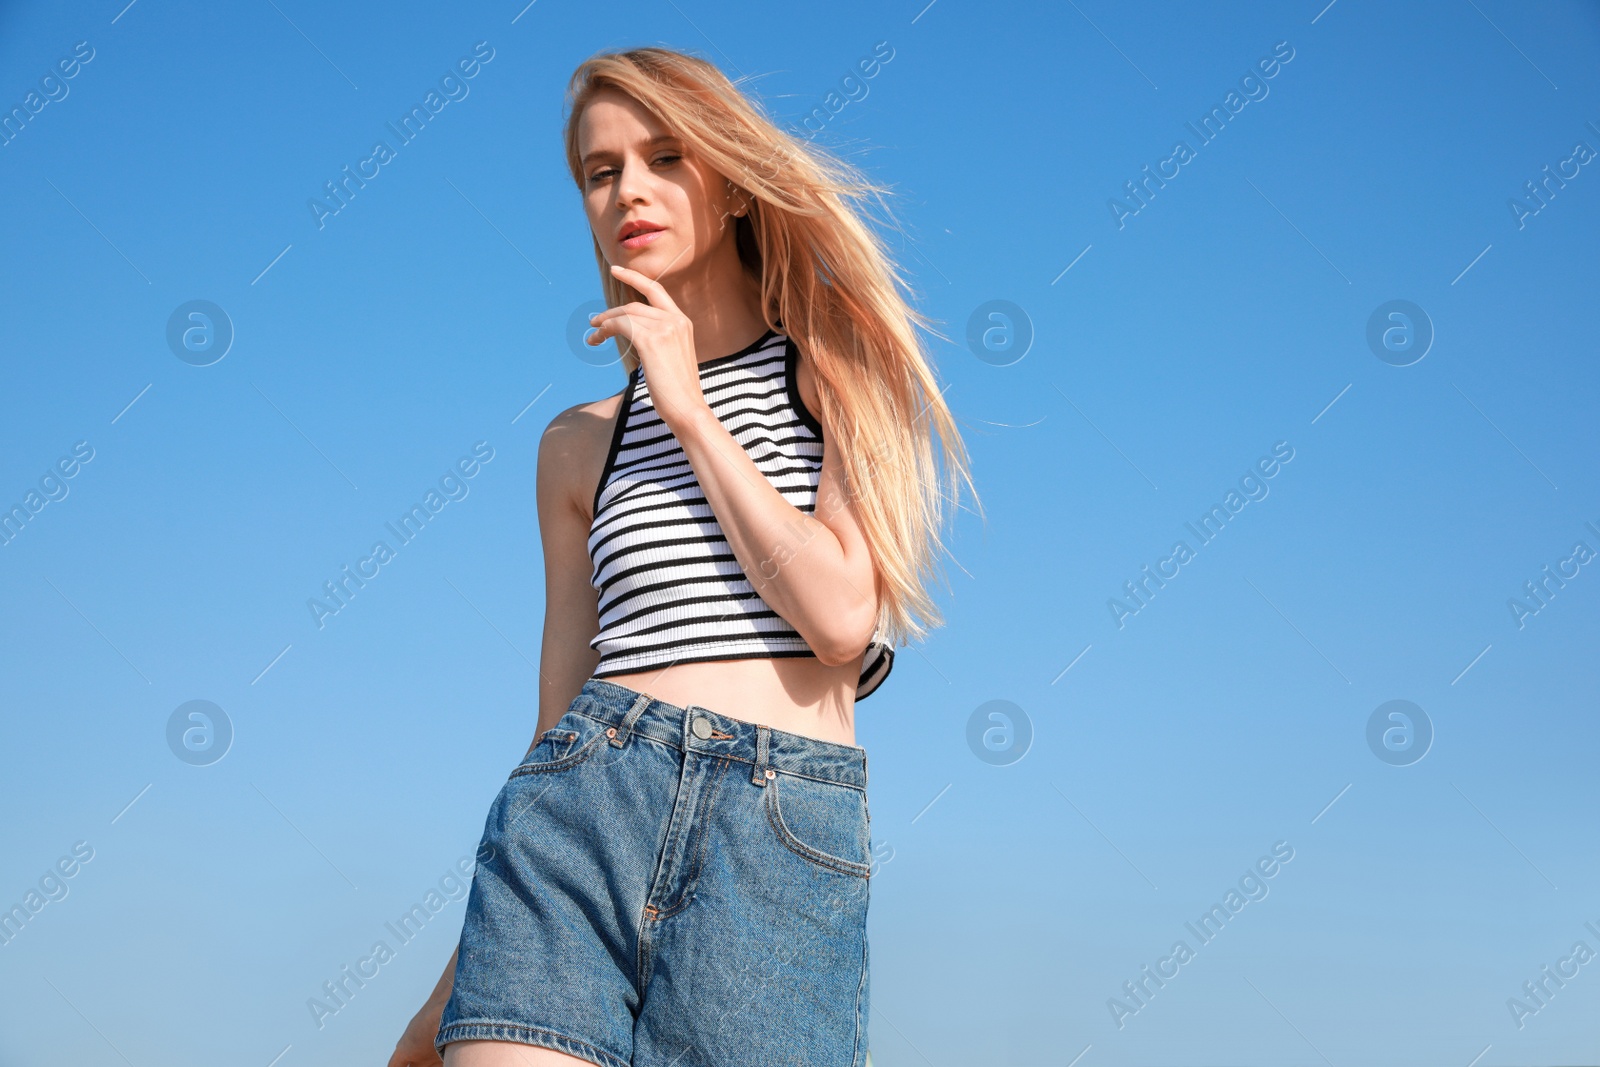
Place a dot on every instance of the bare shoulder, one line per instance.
(573, 449)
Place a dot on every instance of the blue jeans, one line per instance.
(659, 885)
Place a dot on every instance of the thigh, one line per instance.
(767, 961)
(506, 1054)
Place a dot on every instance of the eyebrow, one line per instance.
(601, 153)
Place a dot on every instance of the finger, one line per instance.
(635, 308)
(651, 289)
(625, 321)
(601, 326)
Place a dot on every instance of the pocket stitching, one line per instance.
(799, 847)
(572, 758)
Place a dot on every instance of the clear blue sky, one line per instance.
(1225, 315)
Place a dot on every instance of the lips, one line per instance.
(637, 227)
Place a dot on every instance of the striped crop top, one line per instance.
(670, 587)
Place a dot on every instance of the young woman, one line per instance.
(677, 871)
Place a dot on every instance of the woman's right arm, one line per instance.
(571, 455)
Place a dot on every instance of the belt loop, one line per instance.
(760, 775)
(619, 734)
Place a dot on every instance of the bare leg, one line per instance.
(506, 1054)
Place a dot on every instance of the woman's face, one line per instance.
(636, 173)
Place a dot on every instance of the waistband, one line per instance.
(701, 730)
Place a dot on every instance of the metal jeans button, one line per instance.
(701, 727)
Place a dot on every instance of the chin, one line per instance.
(659, 251)
(649, 262)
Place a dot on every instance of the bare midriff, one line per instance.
(800, 695)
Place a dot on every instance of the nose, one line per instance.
(632, 188)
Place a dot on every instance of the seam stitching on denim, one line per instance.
(570, 760)
(705, 835)
(803, 850)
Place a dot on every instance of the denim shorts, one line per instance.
(667, 886)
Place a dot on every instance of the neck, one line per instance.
(724, 305)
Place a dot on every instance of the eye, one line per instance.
(602, 175)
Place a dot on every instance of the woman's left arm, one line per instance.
(816, 571)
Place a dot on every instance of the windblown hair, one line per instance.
(828, 283)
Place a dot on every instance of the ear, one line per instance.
(738, 205)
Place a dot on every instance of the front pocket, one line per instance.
(823, 822)
(568, 743)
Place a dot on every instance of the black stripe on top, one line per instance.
(670, 588)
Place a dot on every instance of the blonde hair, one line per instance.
(827, 278)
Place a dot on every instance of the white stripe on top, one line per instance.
(670, 587)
